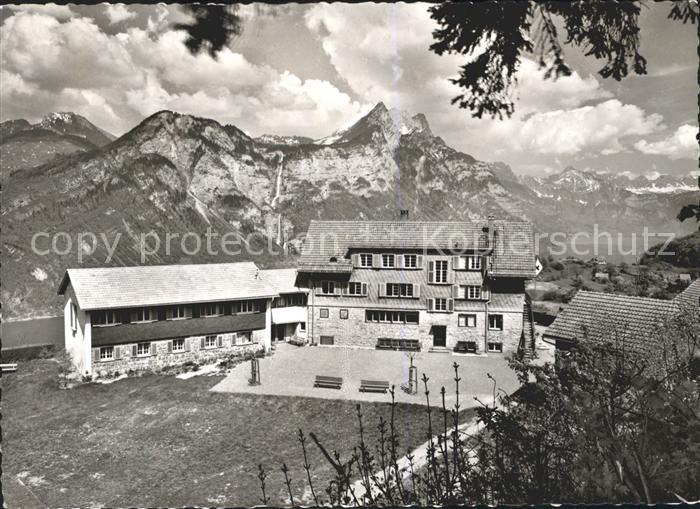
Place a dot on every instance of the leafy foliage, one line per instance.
(214, 27)
(599, 425)
(495, 36)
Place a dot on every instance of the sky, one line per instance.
(311, 69)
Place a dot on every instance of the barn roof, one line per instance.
(157, 285)
(691, 295)
(606, 317)
(328, 243)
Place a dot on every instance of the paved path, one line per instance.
(291, 371)
(420, 459)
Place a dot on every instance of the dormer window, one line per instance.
(365, 259)
(388, 261)
(333, 259)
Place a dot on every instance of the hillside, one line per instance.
(177, 173)
(24, 145)
(682, 252)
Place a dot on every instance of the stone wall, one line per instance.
(124, 361)
(355, 331)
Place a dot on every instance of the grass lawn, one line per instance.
(162, 441)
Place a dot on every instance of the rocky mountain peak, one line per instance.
(69, 123)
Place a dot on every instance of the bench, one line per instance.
(328, 382)
(374, 386)
(398, 344)
(465, 347)
(8, 368)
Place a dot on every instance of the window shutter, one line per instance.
(219, 341)
(398, 261)
(416, 290)
(485, 293)
(419, 262)
(456, 262)
(364, 289)
(117, 352)
(355, 260)
(382, 290)
(450, 274)
(431, 304)
(431, 272)
(188, 346)
(170, 346)
(201, 342)
(95, 354)
(376, 260)
(153, 348)
(134, 352)
(450, 304)
(455, 292)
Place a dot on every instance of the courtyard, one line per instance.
(291, 371)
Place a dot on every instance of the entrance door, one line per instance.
(439, 335)
(278, 332)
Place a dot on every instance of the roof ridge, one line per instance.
(161, 265)
(624, 296)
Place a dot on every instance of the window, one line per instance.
(382, 316)
(328, 287)
(440, 305)
(302, 326)
(343, 314)
(472, 292)
(143, 349)
(210, 309)
(106, 353)
(410, 261)
(365, 260)
(244, 337)
(296, 299)
(399, 290)
(355, 288)
(324, 313)
(178, 345)
(143, 315)
(73, 317)
(495, 347)
(439, 273)
(210, 342)
(388, 261)
(466, 320)
(179, 312)
(246, 306)
(474, 262)
(326, 340)
(496, 322)
(108, 317)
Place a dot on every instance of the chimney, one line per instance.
(403, 215)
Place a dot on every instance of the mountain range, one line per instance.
(180, 173)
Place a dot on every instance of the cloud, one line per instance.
(118, 13)
(59, 12)
(682, 144)
(116, 80)
(390, 61)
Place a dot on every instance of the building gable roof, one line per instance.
(605, 317)
(691, 295)
(282, 280)
(157, 285)
(328, 243)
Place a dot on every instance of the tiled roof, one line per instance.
(508, 302)
(328, 243)
(282, 280)
(691, 295)
(116, 287)
(605, 317)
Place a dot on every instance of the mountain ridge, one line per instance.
(179, 173)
